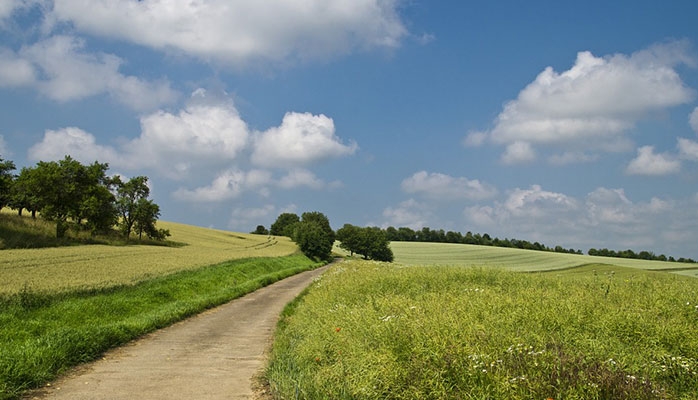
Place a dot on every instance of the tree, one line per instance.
(261, 230)
(284, 225)
(146, 216)
(128, 201)
(314, 236)
(348, 236)
(24, 193)
(371, 242)
(6, 181)
(59, 190)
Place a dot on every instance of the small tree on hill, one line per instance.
(284, 225)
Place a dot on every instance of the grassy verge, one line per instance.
(379, 331)
(43, 334)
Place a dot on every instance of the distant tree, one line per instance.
(284, 225)
(371, 242)
(6, 181)
(322, 221)
(261, 230)
(25, 191)
(349, 237)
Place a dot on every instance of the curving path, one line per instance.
(214, 355)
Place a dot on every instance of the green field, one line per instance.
(98, 266)
(416, 253)
(579, 328)
(62, 306)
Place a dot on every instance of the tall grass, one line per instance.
(43, 334)
(377, 331)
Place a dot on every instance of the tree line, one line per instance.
(81, 196)
(315, 237)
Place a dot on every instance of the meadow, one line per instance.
(581, 330)
(67, 305)
(416, 253)
(69, 268)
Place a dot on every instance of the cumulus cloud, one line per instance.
(60, 68)
(605, 217)
(301, 139)
(593, 104)
(242, 31)
(445, 187)
(693, 119)
(649, 163)
(572, 157)
(201, 133)
(518, 153)
(15, 71)
(74, 142)
(300, 177)
(409, 213)
(227, 185)
(688, 149)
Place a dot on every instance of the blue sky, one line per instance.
(566, 123)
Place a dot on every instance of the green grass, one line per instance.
(379, 331)
(416, 253)
(43, 334)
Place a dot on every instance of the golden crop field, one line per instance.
(418, 253)
(96, 266)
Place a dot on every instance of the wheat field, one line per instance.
(70, 268)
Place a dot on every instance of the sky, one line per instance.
(567, 123)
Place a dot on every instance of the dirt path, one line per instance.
(214, 355)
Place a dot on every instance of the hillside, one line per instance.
(92, 266)
(418, 253)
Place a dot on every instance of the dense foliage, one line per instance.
(370, 242)
(81, 196)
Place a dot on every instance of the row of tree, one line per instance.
(426, 234)
(643, 255)
(84, 196)
(315, 237)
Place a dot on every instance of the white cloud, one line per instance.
(693, 120)
(197, 134)
(300, 177)
(301, 139)
(594, 103)
(15, 71)
(242, 31)
(74, 142)
(475, 139)
(603, 218)
(409, 213)
(688, 149)
(651, 164)
(445, 187)
(572, 157)
(518, 153)
(61, 69)
(227, 185)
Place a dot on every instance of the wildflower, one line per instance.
(337, 329)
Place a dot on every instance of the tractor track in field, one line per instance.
(218, 354)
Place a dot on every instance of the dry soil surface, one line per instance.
(215, 355)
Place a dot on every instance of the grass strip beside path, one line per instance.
(42, 335)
